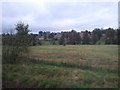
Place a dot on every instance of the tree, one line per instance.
(45, 36)
(22, 37)
(78, 38)
(86, 39)
(32, 39)
(118, 30)
(40, 33)
(15, 44)
(62, 39)
(73, 37)
(94, 37)
(98, 32)
(110, 36)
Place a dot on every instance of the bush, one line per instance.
(15, 44)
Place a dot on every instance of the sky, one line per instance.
(59, 16)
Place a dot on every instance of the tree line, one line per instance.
(97, 36)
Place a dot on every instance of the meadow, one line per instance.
(70, 66)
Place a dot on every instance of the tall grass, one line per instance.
(44, 75)
(86, 66)
(11, 53)
(62, 69)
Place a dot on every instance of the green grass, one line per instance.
(100, 42)
(95, 55)
(84, 66)
(46, 43)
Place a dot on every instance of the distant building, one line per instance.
(39, 37)
(57, 36)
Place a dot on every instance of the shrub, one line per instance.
(15, 44)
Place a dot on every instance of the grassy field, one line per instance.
(75, 66)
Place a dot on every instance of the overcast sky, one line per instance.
(60, 16)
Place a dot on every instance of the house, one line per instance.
(39, 37)
(57, 36)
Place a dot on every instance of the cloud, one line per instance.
(58, 16)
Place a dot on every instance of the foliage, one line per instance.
(86, 39)
(15, 44)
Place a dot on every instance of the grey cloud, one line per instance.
(54, 16)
